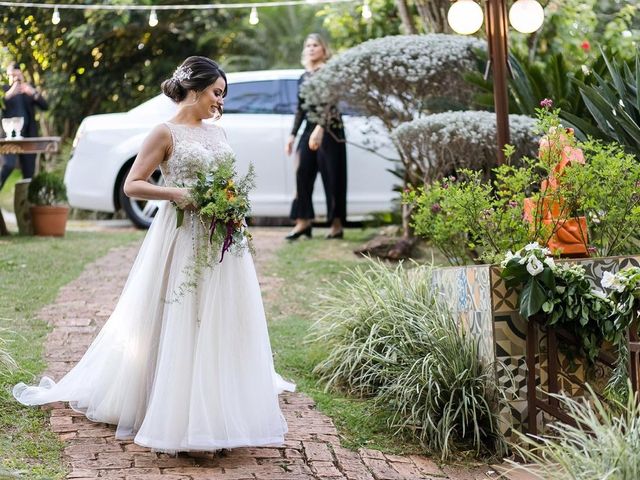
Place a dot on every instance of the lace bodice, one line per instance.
(194, 149)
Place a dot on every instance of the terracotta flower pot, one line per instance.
(49, 221)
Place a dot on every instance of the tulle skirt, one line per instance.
(179, 372)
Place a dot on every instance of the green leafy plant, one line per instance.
(390, 337)
(603, 444)
(47, 188)
(563, 296)
(624, 291)
(614, 103)
(471, 219)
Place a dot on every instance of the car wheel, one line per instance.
(140, 212)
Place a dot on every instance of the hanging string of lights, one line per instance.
(153, 9)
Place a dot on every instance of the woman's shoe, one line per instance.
(339, 234)
(295, 235)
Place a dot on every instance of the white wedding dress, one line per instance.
(194, 373)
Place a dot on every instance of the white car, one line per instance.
(258, 118)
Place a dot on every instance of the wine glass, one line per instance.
(18, 124)
(7, 126)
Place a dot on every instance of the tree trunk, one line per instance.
(433, 14)
(408, 24)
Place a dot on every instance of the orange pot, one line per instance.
(49, 221)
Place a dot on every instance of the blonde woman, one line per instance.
(320, 148)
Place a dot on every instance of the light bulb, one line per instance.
(366, 10)
(526, 16)
(465, 17)
(153, 18)
(55, 18)
(253, 16)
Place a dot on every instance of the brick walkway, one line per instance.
(312, 448)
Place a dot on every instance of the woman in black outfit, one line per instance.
(321, 148)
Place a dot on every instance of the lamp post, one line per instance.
(526, 16)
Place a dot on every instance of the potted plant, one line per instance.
(48, 196)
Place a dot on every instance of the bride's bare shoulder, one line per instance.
(160, 133)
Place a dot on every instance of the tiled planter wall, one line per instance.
(487, 308)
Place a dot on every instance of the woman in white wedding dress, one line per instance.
(194, 373)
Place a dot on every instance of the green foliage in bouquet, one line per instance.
(47, 188)
(222, 200)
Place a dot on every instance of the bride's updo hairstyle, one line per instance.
(195, 73)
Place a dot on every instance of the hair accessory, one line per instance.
(182, 73)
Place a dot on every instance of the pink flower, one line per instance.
(546, 103)
(585, 46)
(513, 204)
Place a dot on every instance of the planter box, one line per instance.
(487, 309)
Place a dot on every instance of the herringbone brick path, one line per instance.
(312, 449)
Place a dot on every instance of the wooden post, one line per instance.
(496, 24)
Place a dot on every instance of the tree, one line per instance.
(106, 61)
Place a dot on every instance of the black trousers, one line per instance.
(27, 165)
(331, 161)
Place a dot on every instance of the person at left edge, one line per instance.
(21, 100)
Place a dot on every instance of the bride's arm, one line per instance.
(155, 149)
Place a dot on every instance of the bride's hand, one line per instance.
(182, 199)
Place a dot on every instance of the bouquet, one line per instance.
(222, 203)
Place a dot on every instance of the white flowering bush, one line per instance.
(440, 144)
(396, 78)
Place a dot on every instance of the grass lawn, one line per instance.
(32, 270)
(302, 268)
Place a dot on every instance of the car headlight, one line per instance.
(79, 134)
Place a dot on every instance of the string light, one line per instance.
(253, 16)
(210, 6)
(55, 18)
(366, 10)
(153, 18)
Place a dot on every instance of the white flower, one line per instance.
(532, 246)
(599, 294)
(534, 266)
(507, 256)
(550, 262)
(608, 279)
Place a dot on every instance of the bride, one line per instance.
(191, 374)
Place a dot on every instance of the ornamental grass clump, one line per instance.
(390, 337)
(604, 444)
(440, 391)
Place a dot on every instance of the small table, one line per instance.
(17, 146)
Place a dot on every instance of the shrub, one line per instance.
(47, 189)
(442, 143)
(390, 337)
(603, 445)
(397, 78)
(469, 218)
